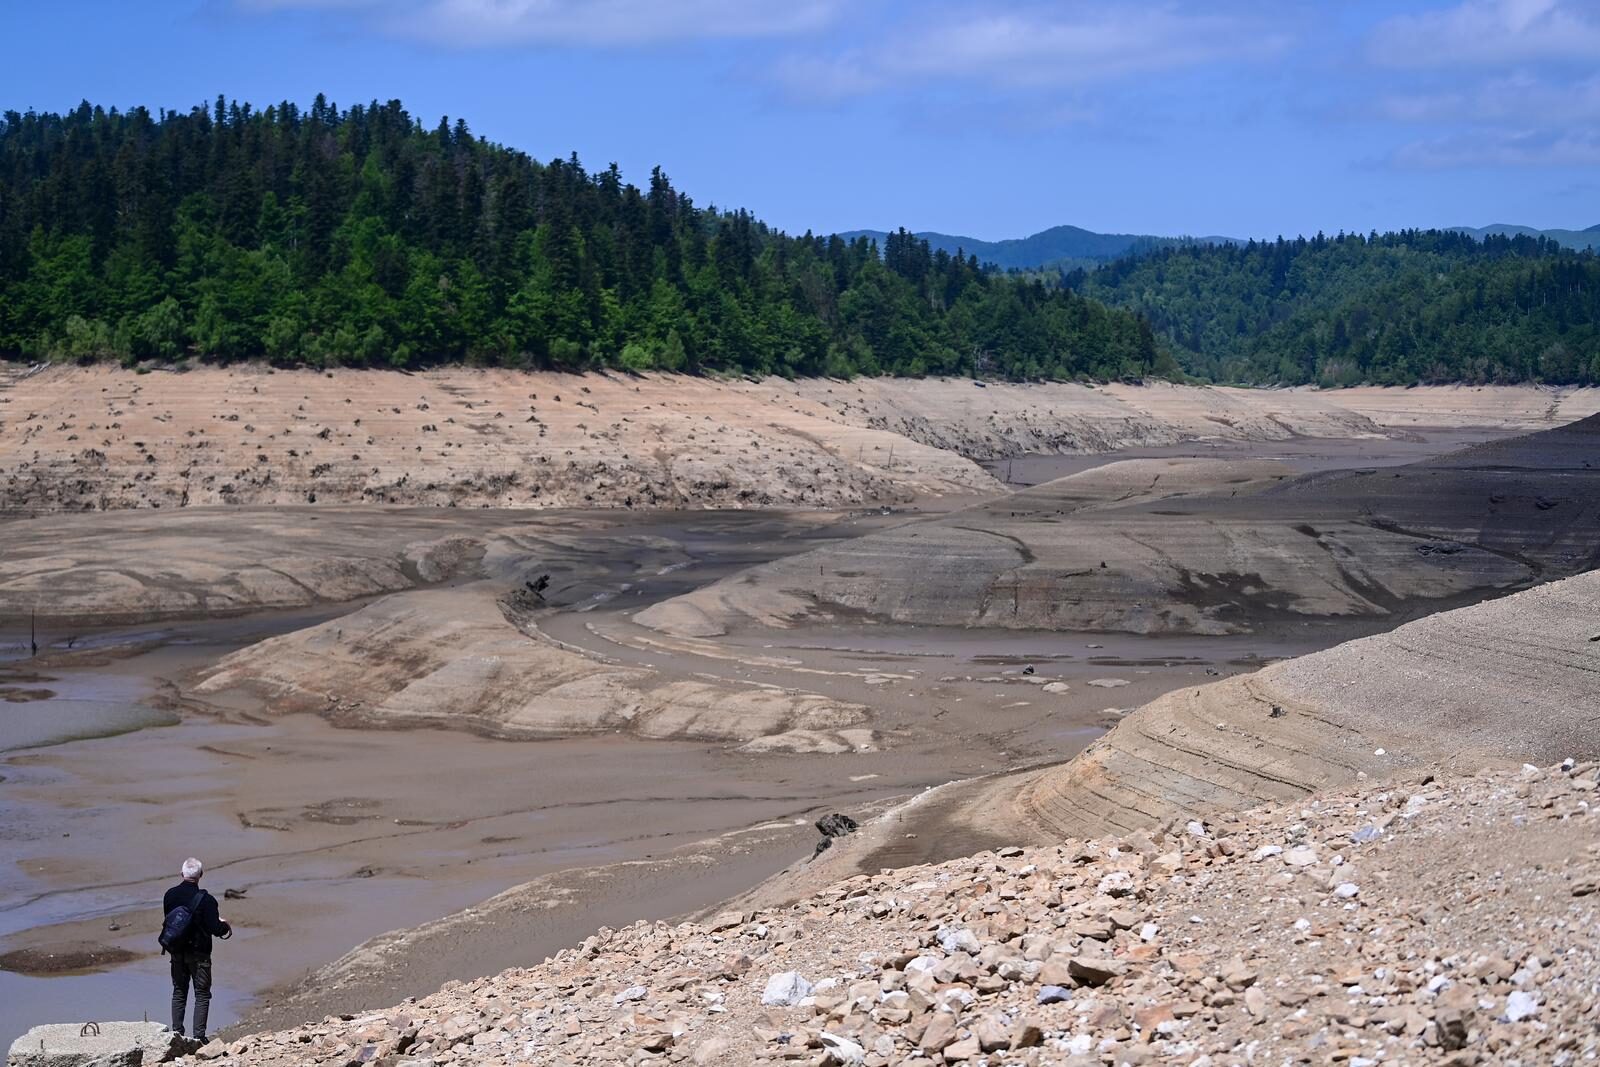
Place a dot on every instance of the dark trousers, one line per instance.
(187, 966)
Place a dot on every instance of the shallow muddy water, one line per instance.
(51, 709)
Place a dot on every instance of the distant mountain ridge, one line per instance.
(1063, 246)
(1578, 239)
(1073, 246)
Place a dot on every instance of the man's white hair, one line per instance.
(192, 868)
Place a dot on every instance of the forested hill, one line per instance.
(1579, 239)
(1413, 306)
(360, 236)
(1058, 248)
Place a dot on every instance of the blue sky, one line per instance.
(1238, 117)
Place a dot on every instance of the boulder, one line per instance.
(832, 826)
(1095, 970)
(97, 1045)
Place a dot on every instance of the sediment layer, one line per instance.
(1516, 679)
(104, 438)
(1201, 546)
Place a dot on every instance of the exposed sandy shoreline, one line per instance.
(672, 744)
(106, 438)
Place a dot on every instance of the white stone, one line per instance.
(1116, 884)
(964, 997)
(785, 990)
(1521, 1005)
(959, 939)
(841, 1050)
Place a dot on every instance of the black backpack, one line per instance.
(179, 921)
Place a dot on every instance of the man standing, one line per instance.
(191, 956)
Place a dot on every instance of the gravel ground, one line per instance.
(1442, 921)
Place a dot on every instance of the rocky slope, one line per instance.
(1177, 546)
(104, 438)
(1435, 921)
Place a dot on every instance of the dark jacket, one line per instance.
(205, 924)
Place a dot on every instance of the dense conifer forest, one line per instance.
(1394, 309)
(362, 237)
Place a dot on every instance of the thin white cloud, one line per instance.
(1036, 47)
(825, 79)
(1501, 83)
(1025, 48)
(1489, 33)
(1519, 99)
(596, 23)
(1526, 148)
